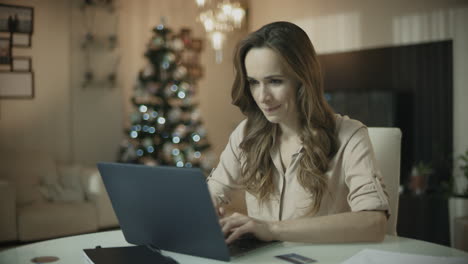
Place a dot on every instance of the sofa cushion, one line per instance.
(47, 220)
(70, 179)
(27, 194)
(92, 183)
(68, 187)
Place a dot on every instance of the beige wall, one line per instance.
(336, 25)
(86, 125)
(43, 122)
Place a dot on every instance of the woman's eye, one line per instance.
(276, 81)
(252, 82)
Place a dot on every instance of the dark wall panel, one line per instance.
(421, 76)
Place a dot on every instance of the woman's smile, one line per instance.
(270, 110)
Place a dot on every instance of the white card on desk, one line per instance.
(372, 256)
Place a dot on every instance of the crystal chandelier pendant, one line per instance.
(218, 19)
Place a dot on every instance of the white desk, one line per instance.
(69, 250)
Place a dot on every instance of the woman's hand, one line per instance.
(238, 224)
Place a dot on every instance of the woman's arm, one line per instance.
(364, 226)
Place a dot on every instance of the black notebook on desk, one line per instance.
(125, 255)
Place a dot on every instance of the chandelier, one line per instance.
(219, 17)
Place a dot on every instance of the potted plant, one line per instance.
(458, 201)
(419, 177)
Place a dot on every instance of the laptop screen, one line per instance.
(165, 207)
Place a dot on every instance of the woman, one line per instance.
(309, 175)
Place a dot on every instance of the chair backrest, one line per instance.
(386, 142)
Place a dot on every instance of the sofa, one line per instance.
(41, 198)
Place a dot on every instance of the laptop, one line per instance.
(169, 208)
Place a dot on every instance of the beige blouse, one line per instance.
(355, 182)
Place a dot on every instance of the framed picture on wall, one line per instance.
(16, 85)
(21, 40)
(5, 57)
(21, 64)
(16, 19)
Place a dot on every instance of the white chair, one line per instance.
(386, 142)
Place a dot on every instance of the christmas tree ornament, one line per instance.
(177, 44)
(185, 35)
(181, 130)
(174, 114)
(167, 149)
(169, 57)
(195, 116)
(180, 72)
(184, 86)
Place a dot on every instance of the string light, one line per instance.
(143, 108)
(139, 152)
(175, 152)
(161, 120)
(150, 149)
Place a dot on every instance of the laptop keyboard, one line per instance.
(245, 244)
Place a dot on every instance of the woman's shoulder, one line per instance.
(238, 133)
(346, 127)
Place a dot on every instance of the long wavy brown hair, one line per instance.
(317, 121)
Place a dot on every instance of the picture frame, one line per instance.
(21, 64)
(16, 85)
(5, 51)
(21, 40)
(16, 19)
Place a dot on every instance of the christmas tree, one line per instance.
(166, 128)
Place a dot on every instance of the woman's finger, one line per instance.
(238, 232)
(231, 223)
(221, 211)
